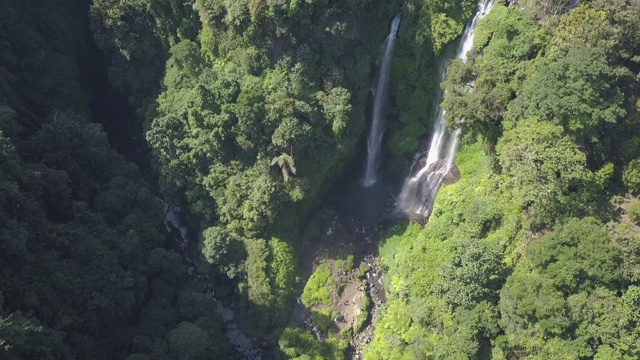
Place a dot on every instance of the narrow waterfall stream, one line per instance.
(419, 190)
(374, 141)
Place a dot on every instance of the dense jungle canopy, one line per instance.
(247, 113)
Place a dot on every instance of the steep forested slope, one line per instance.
(262, 110)
(534, 253)
(252, 109)
(84, 269)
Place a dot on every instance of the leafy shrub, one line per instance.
(481, 216)
(474, 274)
(322, 318)
(631, 176)
(349, 262)
(630, 148)
(363, 270)
(616, 200)
(361, 321)
(634, 211)
(316, 291)
(296, 342)
(347, 333)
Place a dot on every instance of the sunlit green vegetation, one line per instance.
(316, 290)
(297, 343)
(361, 320)
(524, 257)
(251, 110)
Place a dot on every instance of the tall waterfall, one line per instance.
(374, 142)
(419, 191)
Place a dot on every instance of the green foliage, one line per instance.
(583, 79)
(566, 289)
(417, 321)
(631, 176)
(629, 245)
(625, 27)
(363, 269)
(349, 264)
(478, 92)
(298, 343)
(252, 124)
(85, 271)
(548, 99)
(221, 248)
(482, 216)
(426, 28)
(630, 148)
(617, 200)
(444, 29)
(634, 211)
(405, 141)
(544, 170)
(544, 9)
(137, 62)
(40, 67)
(260, 291)
(260, 109)
(362, 318)
(472, 275)
(336, 108)
(316, 289)
(103, 230)
(24, 337)
(323, 319)
(282, 273)
(579, 252)
(188, 341)
(256, 119)
(489, 25)
(583, 27)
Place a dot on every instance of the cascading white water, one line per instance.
(419, 191)
(374, 142)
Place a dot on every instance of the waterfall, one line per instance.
(374, 142)
(419, 191)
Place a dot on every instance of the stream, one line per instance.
(352, 216)
(176, 226)
(350, 220)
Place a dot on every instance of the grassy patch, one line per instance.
(316, 290)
